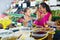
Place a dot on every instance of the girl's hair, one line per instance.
(44, 5)
(25, 10)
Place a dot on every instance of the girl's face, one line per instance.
(28, 11)
(41, 9)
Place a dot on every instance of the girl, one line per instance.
(27, 18)
(43, 14)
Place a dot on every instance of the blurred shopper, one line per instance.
(57, 32)
(43, 14)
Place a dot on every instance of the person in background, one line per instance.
(43, 15)
(27, 18)
(57, 31)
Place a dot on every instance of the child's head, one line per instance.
(27, 11)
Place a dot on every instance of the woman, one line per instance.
(43, 14)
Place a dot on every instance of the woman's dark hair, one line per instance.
(44, 5)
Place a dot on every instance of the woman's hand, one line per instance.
(34, 25)
(46, 25)
(50, 18)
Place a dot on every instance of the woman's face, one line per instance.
(41, 9)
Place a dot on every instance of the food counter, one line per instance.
(25, 33)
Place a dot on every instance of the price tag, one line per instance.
(33, 3)
(19, 3)
(24, 5)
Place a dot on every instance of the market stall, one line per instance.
(25, 33)
(12, 22)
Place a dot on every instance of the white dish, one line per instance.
(38, 35)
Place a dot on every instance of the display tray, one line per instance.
(37, 37)
(38, 33)
(27, 34)
(43, 29)
(40, 38)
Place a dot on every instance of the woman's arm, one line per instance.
(50, 18)
(34, 25)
